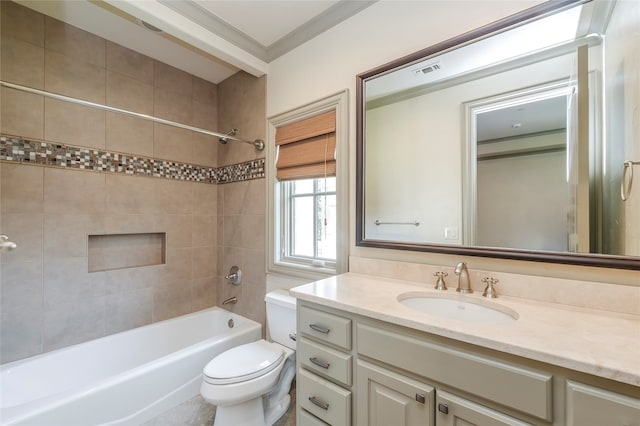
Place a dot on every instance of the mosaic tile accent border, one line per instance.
(25, 151)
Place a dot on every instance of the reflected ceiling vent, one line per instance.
(428, 69)
(148, 26)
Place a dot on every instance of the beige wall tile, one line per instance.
(128, 93)
(21, 285)
(171, 143)
(255, 266)
(130, 195)
(204, 262)
(67, 280)
(205, 92)
(205, 150)
(66, 235)
(74, 124)
(172, 300)
(178, 229)
(126, 251)
(255, 200)
(168, 78)
(177, 268)
(22, 63)
(125, 280)
(205, 230)
(174, 197)
(22, 23)
(127, 310)
(232, 231)
(205, 117)
(234, 195)
(24, 229)
(254, 230)
(76, 192)
(71, 322)
(116, 223)
(21, 114)
(129, 62)
(21, 333)
(203, 293)
(129, 135)
(74, 42)
(205, 199)
(22, 189)
(68, 76)
(173, 106)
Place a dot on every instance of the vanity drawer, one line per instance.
(523, 389)
(591, 406)
(326, 327)
(307, 419)
(325, 361)
(323, 399)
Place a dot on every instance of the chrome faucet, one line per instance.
(464, 283)
(232, 300)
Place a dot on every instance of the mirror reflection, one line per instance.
(515, 141)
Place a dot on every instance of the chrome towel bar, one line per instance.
(626, 184)
(414, 223)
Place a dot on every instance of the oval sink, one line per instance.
(457, 309)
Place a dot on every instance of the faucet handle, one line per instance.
(489, 291)
(440, 284)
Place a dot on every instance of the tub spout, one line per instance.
(231, 300)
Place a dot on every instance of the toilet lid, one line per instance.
(244, 362)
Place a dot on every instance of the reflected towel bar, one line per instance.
(625, 190)
(414, 223)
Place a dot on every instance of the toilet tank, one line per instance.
(281, 317)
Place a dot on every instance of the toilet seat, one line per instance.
(244, 362)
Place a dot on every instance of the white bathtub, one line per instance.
(122, 379)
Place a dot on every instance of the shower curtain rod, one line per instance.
(224, 137)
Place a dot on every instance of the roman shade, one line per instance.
(306, 148)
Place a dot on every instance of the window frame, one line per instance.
(277, 262)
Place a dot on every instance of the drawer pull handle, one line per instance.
(319, 403)
(420, 398)
(319, 328)
(443, 408)
(319, 362)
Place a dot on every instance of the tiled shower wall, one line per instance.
(48, 297)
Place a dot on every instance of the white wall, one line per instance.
(385, 31)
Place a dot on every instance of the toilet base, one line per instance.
(250, 413)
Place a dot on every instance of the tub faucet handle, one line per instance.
(234, 276)
(489, 291)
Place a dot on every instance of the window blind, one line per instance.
(306, 148)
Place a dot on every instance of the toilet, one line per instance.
(249, 384)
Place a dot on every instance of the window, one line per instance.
(307, 192)
(309, 221)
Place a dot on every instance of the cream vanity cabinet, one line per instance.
(362, 371)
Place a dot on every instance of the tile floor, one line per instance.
(197, 412)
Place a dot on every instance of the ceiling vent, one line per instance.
(428, 69)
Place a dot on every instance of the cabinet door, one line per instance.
(385, 398)
(590, 406)
(452, 410)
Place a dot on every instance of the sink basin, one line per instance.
(458, 309)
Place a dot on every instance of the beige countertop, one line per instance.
(596, 342)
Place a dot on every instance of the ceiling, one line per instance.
(212, 39)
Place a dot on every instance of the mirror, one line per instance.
(508, 141)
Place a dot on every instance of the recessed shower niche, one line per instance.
(119, 251)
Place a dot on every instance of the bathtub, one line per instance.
(122, 379)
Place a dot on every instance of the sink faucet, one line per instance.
(464, 284)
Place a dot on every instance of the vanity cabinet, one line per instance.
(324, 365)
(355, 369)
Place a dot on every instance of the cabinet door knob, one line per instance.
(319, 328)
(443, 408)
(420, 398)
(319, 403)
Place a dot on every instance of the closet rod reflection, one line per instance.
(258, 143)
